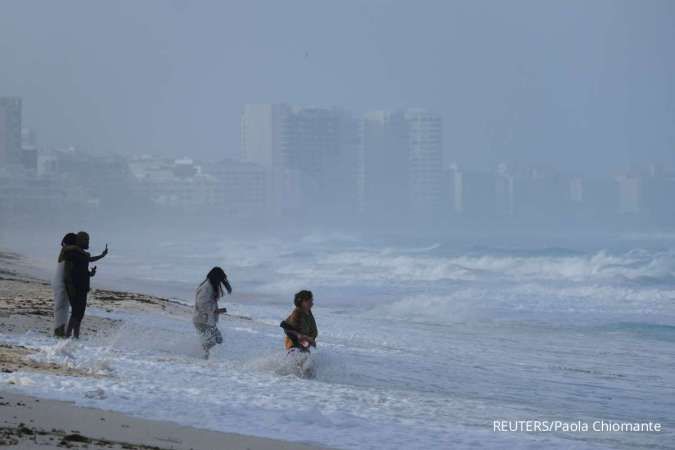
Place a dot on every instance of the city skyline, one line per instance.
(510, 80)
(333, 168)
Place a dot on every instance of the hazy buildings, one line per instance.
(10, 130)
(629, 194)
(226, 189)
(401, 172)
(454, 185)
(310, 152)
(322, 165)
(384, 166)
(261, 129)
(29, 150)
(425, 157)
(475, 195)
(576, 190)
(658, 193)
(505, 192)
(320, 145)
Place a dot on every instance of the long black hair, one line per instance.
(69, 239)
(218, 279)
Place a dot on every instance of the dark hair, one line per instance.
(302, 296)
(69, 239)
(217, 277)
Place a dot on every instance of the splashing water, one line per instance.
(419, 347)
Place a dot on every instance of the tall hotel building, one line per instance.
(425, 156)
(10, 130)
(309, 152)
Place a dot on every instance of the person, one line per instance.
(300, 326)
(206, 312)
(61, 303)
(77, 279)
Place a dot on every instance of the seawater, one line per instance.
(422, 344)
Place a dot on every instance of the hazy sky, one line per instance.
(587, 85)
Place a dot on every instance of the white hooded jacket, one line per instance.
(61, 303)
(206, 305)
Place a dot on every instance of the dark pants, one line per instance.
(78, 304)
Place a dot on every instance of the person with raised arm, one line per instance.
(77, 279)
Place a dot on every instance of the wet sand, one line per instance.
(26, 306)
(29, 422)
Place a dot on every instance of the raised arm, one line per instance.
(102, 255)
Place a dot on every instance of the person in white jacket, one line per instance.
(61, 302)
(205, 317)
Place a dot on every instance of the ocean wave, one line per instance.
(344, 268)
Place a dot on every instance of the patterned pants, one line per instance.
(208, 335)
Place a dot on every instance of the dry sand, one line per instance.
(26, 304)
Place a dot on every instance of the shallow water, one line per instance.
(421, 345)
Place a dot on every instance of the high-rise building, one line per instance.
(261, 131)
(402, 173)
(321, 146)
(425, 153)
(10, 130)
(384, 166)
(307, 151)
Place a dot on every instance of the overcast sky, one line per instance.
(585, 85)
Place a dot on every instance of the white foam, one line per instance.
(416, 349)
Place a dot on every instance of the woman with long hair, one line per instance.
(205, 317)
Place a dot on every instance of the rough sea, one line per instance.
(423, 344)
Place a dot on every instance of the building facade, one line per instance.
(310, 155)
(261, 130)
(425, 156)
(10, 130)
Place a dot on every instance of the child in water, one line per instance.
(205, 318)
(301, 331)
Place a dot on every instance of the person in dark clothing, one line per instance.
(77, 280)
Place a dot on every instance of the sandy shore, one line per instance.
(28, 422)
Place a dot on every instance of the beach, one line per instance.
(30, 422)
(421, 344)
